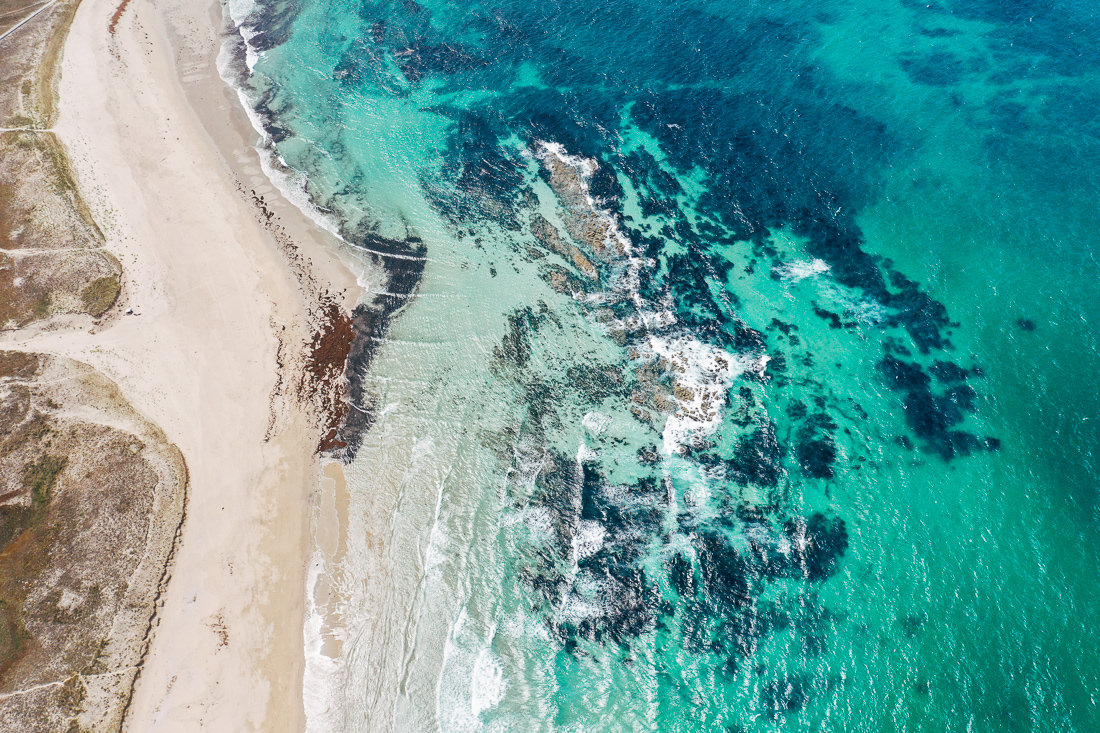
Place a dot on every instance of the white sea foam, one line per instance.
(290, 182)
(575, 608)
(523, 626)
(588, 539)
(645, 320)
(487, 683)
(701, 375)
(323, 676)
(436, 554)
(596, 422)
(238, 13)
(528, 460)
(540, 523)
(869, 311)
(625, 281)
(472, 681)
(698, 493)
(239, 10)
(799, 270)
(587, 166)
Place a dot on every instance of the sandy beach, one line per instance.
(214, 323)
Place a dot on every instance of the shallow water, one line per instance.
(738, 368)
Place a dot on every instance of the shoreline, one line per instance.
(162, 151)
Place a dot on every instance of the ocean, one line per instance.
(725, 366)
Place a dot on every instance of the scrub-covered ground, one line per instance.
(91, 494)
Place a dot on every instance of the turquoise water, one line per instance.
(730, 366)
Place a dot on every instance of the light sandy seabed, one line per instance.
(159, 145)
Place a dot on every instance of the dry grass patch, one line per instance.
(28, 65)
(41, 209)
(35, 286)
(91, 500)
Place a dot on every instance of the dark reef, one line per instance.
(404, 264)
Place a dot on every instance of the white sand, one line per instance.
(212, 289)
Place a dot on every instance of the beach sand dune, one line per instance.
(162, 152)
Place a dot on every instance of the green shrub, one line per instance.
(41, 477)
(100, 294)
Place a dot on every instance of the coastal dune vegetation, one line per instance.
(91, 493)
